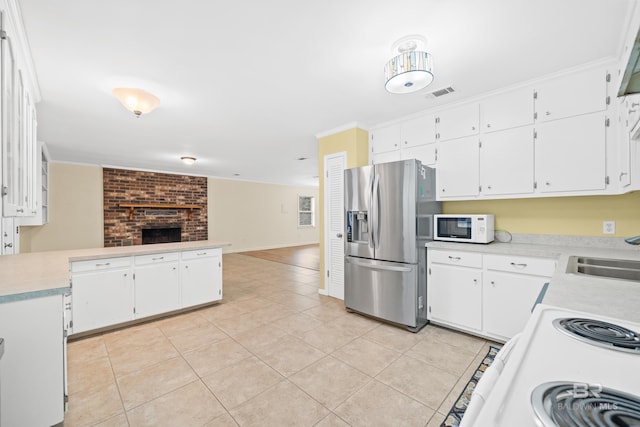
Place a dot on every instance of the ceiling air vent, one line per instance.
(440, 92)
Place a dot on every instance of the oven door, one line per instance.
(486, 382)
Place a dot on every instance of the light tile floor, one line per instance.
(273, 353)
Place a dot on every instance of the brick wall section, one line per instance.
(128, 186)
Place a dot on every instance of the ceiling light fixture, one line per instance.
(411, 69)
(187, 160)
(136, 100)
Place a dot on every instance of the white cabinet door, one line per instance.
(157, 286)
(418, 131)
(101, 298)
(458, 122)
(32, 377)
(455, 295)
(506, 162)
(389, 156)
(458, 169)
(426, 153)
(571, 154)
(385, 139)
(577, 93)
(201, 277)
(507, 301)
(507, 110)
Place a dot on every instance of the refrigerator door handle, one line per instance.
(376, 209)
(378, 266)
(371, 212)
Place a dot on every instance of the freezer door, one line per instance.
(357, 206)
(394, 211)
(385, 290)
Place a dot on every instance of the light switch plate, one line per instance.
(609, 227)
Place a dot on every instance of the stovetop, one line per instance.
(566, 370)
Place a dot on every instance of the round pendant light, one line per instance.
(411, 69)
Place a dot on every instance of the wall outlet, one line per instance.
(608, 227)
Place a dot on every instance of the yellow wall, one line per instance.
(75, 211)
(255, 216)
(355, 142)
(571, 216)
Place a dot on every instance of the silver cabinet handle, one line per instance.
(339, 235)
(104, 264)
(160, 258)
(201, 253)
(454, 258)
(516, 265)
(8, 245)
(20, 210)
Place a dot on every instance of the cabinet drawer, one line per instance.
(157, 258)
(463, 259)
(100, 264)
(202, 253)
(520, 265)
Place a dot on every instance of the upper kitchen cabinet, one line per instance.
(571, 154)
(506, 162)
(18, 120)
(457, 171)
(418, 131)
(458, 122)
(507, 110)
(570, 95)
(385, 139)
(41, 197)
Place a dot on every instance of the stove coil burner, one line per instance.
(566, 404)
(600, 333)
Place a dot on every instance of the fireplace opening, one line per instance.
(161, 234)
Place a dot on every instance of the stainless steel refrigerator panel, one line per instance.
(394, 211)
(381, 289)
(357, 206)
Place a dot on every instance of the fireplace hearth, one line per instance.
(161, 234)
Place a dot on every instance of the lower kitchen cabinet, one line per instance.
(157, 285)
(31, 369)
(102, 293)
(485, 294)
(201, 276)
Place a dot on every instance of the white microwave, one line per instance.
(463, 228)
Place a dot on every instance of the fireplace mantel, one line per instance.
(133, 206)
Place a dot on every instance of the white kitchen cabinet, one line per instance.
(32, 377)
(507, 110)
(506, 162)
(156, 284)
(458, 168)
(388, 156)
(201, 276)
(455, 288)
(102, 293)
(426, 153)
(571, 154)
(458, 122)
(576, 93)
(10, 238)
(41, 209)
(418, 131)
(385, 139)
(511, 286)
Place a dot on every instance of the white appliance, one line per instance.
(567, 368)
(464, 228)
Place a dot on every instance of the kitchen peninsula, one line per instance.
(36, 313)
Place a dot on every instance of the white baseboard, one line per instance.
(323, 292)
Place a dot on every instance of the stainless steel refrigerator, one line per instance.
(389, 210)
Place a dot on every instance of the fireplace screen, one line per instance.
(161, 235)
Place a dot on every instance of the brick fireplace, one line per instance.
(160, 200)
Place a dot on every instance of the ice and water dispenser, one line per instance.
(357, 227)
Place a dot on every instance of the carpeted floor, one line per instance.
(457, 410)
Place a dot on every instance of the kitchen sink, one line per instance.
(623, 269)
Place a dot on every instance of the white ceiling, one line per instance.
(245, 85)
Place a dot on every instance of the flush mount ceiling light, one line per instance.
(411, 69)
(136, 100)
(187, 160)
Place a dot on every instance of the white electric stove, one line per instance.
(556, 374)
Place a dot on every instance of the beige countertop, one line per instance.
(41, 273)
(608, 297)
